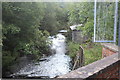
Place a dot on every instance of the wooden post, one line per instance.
(79, 59)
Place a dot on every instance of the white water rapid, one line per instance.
(54, 65)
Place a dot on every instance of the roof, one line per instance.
(74, 27)
(63, 31)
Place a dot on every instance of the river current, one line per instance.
(54, 65)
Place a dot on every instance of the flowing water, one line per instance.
(54, 65)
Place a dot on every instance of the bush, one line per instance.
(7, 59)
(73, 48)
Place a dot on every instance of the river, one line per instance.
(54, 65)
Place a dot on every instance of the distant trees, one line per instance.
(55, 17)
(83, 13)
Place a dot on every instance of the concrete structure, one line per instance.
(77, 35)
(106, 68)
(109, 49)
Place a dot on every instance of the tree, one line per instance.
(82, 13)
(21, 34)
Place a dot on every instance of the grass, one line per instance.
(92, 51)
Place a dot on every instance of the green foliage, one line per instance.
(7, 58)
(11, 29)
(0, 34)
(105, 21)
(118, 28)
(73, 48)
(21, 34)
(92, 52)
(88, 29)
(82, 13)
(55, 17)
(26, 26)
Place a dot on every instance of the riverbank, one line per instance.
(92, 51)
(58, 63)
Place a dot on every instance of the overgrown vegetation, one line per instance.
(73, 48)
(92, 52)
